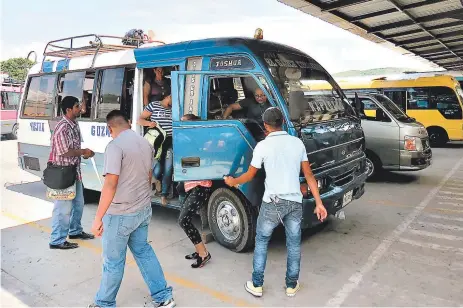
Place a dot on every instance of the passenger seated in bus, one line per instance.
(156, 86)
(160, 112)
(254, 107)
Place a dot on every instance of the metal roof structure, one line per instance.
(430, 29)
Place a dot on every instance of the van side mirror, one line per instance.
(358, 105)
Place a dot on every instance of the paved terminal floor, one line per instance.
(401, 244)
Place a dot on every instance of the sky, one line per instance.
(29, 24)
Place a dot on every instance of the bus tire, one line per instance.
(437, 136)
(231, 220)
(14, 132)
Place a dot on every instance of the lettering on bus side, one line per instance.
(37, 126)
(100, 131)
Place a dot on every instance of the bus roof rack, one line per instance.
(65, 48)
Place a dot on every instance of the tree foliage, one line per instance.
(16, 68)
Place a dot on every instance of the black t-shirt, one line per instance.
(160, 89)
(253, 109)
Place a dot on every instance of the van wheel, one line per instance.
(231, 221)
(373, 164)
(437, 136)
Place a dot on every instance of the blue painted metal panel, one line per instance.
(47, 66)
(62, 65)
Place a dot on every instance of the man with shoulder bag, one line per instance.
(63, 173)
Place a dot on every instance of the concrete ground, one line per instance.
(400, 245)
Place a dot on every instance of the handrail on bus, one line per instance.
(94, 47)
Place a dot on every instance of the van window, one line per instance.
(40, 97)
(110, 91)
(442, 99)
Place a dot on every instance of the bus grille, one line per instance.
(31, 163)
(344, 178)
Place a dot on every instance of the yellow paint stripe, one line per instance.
(169, 276)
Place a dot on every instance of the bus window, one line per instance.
(40, 96)
(224, 91)
(87, 94)
(69, 84)
(435, 98)
(10, 100)
(110, 91)
(397, 96)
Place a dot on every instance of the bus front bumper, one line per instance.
(334, 200)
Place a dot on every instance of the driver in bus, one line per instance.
(254, 107)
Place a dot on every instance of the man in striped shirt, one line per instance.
(66, 151)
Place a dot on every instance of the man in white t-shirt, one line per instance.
(283, 157)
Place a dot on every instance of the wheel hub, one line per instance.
(228, 220)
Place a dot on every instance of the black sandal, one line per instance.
(200, 262)
(192, 256)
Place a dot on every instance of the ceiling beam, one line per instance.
(338, 4)
(374, 14)
(425, 39)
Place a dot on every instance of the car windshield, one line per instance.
(393, 109)
(310, 92)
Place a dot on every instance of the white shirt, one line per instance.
(282, 155)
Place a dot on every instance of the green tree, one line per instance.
(16, 67)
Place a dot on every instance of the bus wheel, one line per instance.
(231, 221)
(14, 132)
(437, 136)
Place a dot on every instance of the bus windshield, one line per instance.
(294, 76)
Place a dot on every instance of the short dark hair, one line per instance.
(116, 114)
(68, 102)
(273, 117)
(191, 117)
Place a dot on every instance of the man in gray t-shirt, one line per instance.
(124, 213)
(130, 157)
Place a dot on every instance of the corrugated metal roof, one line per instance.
(431, 29)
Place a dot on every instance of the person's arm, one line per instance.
(142, 120)
(62, 145)
(111, 171)
(230, 109)
(320, 210)
(256, 164)
(146, 93)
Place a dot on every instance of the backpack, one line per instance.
(156, 137)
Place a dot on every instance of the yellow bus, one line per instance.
(436, 101)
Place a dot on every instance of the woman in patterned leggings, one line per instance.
(195, 194)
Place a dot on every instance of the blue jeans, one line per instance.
(164, 169)
(120, 231)
(67, 216)
(268, 220)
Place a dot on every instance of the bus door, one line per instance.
(398, 96)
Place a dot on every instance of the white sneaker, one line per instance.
(292, 291)
(167, 304)
(256, 291)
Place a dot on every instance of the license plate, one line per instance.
(347, 198)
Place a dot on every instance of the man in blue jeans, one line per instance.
(66, 151)
(124, 214)
(283, 157)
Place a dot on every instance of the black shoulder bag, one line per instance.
(59, 177)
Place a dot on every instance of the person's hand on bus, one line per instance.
(230, 181)
(320, 211)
